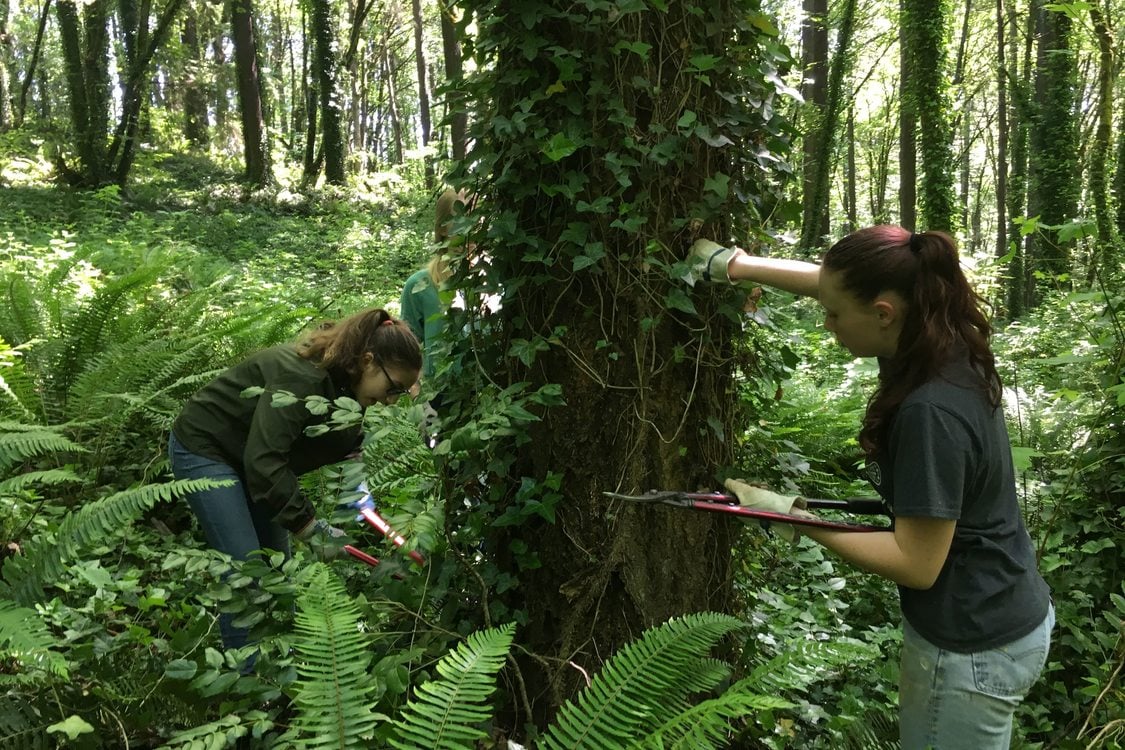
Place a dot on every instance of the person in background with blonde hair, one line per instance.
(420, 303)
(223, 434)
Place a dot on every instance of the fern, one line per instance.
(45, 559)
(26, 638)
(20, 442)
(804, 662)
(224, 732)
(21, 728)
(50, 477)
(446, 713)
(642, 684)
(708, 724)
(334, 689)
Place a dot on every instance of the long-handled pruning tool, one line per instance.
(718, 502)
(366, 507)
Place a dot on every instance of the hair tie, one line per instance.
(388, 322)
(915, 243)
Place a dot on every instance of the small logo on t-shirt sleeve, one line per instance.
(875, 473)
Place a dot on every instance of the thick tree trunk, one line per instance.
(251, 107)
(85, 43)
(1019, 281)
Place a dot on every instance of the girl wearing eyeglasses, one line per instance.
(232, 430)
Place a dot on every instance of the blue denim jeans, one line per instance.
(955, 701)
(231, 522)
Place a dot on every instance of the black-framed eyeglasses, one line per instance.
(395, 389)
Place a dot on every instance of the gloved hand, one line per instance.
(760, 498)
(710, 260)
(324, 540)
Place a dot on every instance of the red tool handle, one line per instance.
(361, 555)
(385, 529)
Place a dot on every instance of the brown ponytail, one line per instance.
(341, 345)
(944, 314)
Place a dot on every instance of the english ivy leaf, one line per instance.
(718, 183)
(559, 147)
(283, 398)
(677, 299)
(704, 62)
(180, 669)
(252, 391)
(687, 119)
(72, 726)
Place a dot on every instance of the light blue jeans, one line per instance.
(231, 522)
(954, 701)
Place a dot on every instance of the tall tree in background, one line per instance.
(924, 29)
(29, 74)
(1119, 178)
(423, 89)
(817, 204)
(814, 124)
(85, 47)
(1020, 120)
(1001, 172)
(194, 92)
(1101, 148)
(907, 126)
(251, 107)
(323, 27)
(456, 115)
(612, 139)
(7, 117)
(1053, 156)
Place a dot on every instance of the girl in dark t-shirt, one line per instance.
(977, 613)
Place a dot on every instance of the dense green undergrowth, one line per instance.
(117, 305)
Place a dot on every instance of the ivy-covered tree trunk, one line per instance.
(814, 122)
(924, 32)
(1001, 171)
(451, 48)
(85, 46)
(1099, 152)
(1053, 156)
(249, 92)
(907, 128)
(613, 139)
(195, 98)
(1021, 111)
(324, 66)
(423, 88)
(816, 214)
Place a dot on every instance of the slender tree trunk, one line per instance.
(1001, 176)
(85, 42)
(850, 189)
(908, 119)
(222, 90)
(251, 106)
(454, 101)
(1099, 153)
(391, 68)
(1119, 180)
(7, 116)
(423, 90)
(310, 89)
(29, 76)
(1019, 280)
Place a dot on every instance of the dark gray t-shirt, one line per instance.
(948, 456)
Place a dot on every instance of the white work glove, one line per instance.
(324, 540)
(759, 498)
(710, 260)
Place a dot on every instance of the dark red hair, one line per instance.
(944, 315)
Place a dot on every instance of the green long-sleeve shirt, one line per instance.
(421, 308)
(267, 445)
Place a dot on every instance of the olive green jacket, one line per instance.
(267, 445)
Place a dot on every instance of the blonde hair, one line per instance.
(438, 268)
